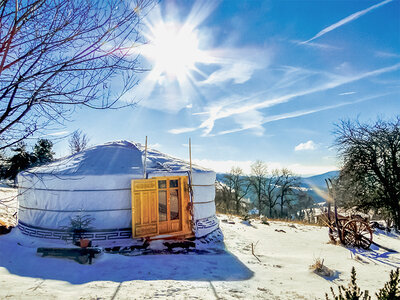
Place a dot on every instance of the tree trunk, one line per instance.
(396, 217)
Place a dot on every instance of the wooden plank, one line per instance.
(81, 255)
(146, 230)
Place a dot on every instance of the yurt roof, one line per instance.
(120, 157)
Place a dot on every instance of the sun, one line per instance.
(173, 49)
(177, 53)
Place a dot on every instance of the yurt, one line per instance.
(123, 191)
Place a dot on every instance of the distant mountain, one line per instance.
(312, 184)
(319, 180)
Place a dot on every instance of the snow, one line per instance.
(120, 157)
(286, 251)
(8, 205)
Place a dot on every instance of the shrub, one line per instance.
(391, 290)
(352, 292)
(321, 270)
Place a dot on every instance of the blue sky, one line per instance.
(250, 80)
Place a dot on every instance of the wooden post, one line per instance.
(337, 223)
(145, 160)
(190, 187)
(190, 159)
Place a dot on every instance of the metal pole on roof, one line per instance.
(145, 159)
(190, 159)
(193, 224)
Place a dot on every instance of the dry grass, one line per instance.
(265, 220)
(300, 222)
(320, 269)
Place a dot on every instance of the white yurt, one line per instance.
(123, 197)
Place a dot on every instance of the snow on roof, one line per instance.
(120, 157)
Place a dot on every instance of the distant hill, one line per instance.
(319, 180)
(311, 183)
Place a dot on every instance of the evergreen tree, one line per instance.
(20, 161)
(352, 292)
(391, 290)
(3, 165)
(43, 151)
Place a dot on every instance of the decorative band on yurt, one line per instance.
(203, 226)
(64, 235)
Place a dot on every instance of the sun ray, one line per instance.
(173, 50)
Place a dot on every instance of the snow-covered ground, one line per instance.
(286, 251)
(8, 205)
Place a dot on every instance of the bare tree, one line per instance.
(258, 180)
(270, 190)
(287, 183)
(370, 176)
(236, 187)
(56, 54)
(78, 142)
(223, 197)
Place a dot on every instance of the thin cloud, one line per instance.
(237, 65)
(346, 93)
(58, 133)
(224, 111)
(298, 113)
(238, 72)
(309, 145)
(182, 130)
(346, 20)
(384, 54)
(316, 45)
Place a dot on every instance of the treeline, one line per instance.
(22, 159)
(276, 193)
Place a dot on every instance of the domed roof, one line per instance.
(121, 157)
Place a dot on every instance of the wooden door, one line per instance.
(144, 207)
(161, 206)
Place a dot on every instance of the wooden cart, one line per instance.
(352, 231)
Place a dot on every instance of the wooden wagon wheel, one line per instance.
(357, 233)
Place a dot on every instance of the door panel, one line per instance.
(174, 205)
(169, 191)
(144, 204)
(162, 206)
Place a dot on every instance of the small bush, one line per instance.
(391, 290)
(264, 221)
(321, 270)
(246, 218)
(352, 292)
